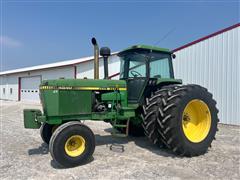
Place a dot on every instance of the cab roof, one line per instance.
(144, 47)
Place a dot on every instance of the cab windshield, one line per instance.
(135, 64)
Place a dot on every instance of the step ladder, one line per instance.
(116, 133)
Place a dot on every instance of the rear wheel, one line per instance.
(72, 144)
(184, 118)
(196, 120)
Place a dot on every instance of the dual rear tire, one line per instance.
(182, 118)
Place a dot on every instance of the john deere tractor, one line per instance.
(146, 100)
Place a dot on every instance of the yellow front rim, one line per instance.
(75, 146)
(196, 121)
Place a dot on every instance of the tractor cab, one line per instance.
(142, 66)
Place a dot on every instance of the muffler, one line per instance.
(96, 58)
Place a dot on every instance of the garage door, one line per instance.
(30, 88)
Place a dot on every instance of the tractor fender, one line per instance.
(159, 84)
(168, 81)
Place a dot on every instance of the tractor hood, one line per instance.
(83, 84)
(73, 96)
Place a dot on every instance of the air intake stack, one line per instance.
(105, 52)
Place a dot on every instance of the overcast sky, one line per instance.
(39, 32)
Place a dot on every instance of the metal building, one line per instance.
(22, 84)
(214, 62)
(211, 61)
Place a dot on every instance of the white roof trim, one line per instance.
(51, 65)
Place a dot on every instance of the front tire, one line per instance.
(72, 144)
(46, 131)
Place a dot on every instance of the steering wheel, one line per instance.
(135, 73)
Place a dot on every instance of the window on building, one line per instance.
(3, 90)
(11, 90)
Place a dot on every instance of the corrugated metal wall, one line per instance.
(86, 69)
(214, 63)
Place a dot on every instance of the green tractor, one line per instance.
(146, 100)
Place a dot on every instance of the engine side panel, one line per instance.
(84, 99)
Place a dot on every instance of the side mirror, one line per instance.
(173, 56)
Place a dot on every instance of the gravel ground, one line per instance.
(25, 156)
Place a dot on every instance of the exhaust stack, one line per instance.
(105, 52)
(96, 58)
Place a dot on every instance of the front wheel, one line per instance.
(72, 144)
(46, 131)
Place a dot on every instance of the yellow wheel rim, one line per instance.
(196, 121)
(75, 146)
